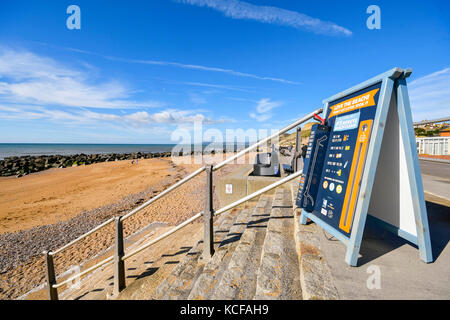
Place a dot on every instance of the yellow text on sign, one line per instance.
(364, 100)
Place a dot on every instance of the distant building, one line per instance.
(437, 146)
(434, 145)
(445, 132)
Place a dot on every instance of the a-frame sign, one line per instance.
(371, 167)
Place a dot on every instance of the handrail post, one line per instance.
(119, 263)
(298, 149)
(50, 276)
(208, 214)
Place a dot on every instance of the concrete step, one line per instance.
(178, 284)
(158, 269)
(278, 276)
(238, 281)
(213, 271)
(255, 257)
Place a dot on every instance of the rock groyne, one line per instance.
(23, 165)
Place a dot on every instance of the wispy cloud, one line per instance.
(34, 87)
(31, 79)
(217, 86)
(263, 108)
(430, 95)
(197, 99)
(84, 116)
(202, 68)
(177, 65)
(243, 10)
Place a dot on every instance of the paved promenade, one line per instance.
(402, 274)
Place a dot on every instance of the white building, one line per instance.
(437, 146)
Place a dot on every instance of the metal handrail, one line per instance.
(168, 233)
(142, 206)
(257, 193)
(289, 127)
(216, 213)
(189, 177)
(195, 217)
(78, 275)
(82, 236)
(173, 187)
(181, 225)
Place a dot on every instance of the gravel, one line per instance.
(19, 247)
(21, 263)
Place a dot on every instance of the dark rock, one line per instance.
(23, 165)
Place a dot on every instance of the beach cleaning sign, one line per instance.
(366, 99)
(371, 168)
(347, 122)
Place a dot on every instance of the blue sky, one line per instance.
(137, 70)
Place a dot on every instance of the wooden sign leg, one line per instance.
(414, 172)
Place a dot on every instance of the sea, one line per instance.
(39, 149)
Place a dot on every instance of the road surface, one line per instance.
(436, 178)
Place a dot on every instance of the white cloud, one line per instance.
(171, 116)
(26, 65)
(243, 10)
(265, 105)
(139, 119)
(263, 108)
(27, 78)
(260, 117)
(33, 87)
(430, 95)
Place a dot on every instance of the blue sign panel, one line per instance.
(350, 119)
(312, 167)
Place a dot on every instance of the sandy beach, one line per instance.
(48, 209)
(60, 194)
